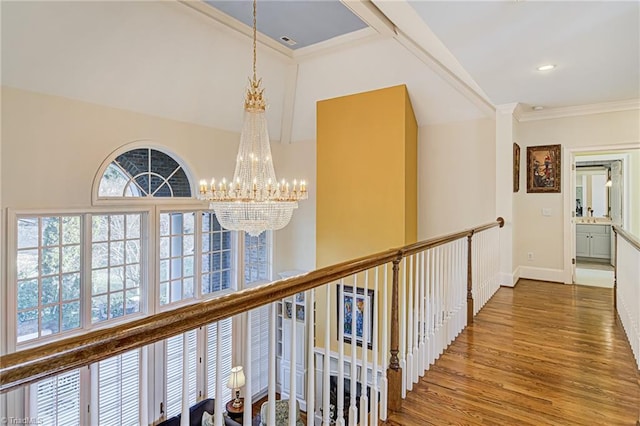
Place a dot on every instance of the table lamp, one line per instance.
(236, 381)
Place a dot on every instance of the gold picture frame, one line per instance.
(543, 169)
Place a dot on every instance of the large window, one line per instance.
(75, 272)
(144, 172)
(115, 266)
(257, 270)
(177, 256)
(216, 255)
(48, 276)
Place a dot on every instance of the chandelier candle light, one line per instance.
(254, 201)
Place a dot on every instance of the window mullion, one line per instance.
(197, 251)
(85, 265)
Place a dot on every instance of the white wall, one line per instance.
(53, 147)
(295, 245)
(159, 58)
(456, 176)
(543, 235)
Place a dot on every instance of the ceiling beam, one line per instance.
(371, 15)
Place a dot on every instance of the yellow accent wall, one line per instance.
(366, 181)
(366, 174)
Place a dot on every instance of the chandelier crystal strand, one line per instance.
(254, 200)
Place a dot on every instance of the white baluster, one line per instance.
(375, 352)
(366, 315)
(184, 419)
(273, 341)
(144, 384)
(402, 316)
(353, 412)
(384, 385)
(311, 333)
(326, 360)
(340, 397)
(293, 365)
(217, 412)
(410, 312)
(248, 391)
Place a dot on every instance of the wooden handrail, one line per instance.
(631, 239)
(33, 364)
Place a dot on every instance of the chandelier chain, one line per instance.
(254, 37)
(254, 200)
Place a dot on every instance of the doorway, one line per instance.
(597, 197)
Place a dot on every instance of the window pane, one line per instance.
(50, 261)
(133, 301)
(27, 232)
(50, 231)
(71, 286)
(71, 230)
(47, 275)
(116, 304)
(27, 325)
(164, 247)
(117, 253)
(50, 320)
(99, 281)
(70, 315)
(27, 263)
(116, 227)
(50, 290)
(133, 251)
(133, 276)
(100, 255)
(70, 258)
(121, 269)
(99, 308)
(116, 278)
(27, 294)
(100, 228)
(133, 226)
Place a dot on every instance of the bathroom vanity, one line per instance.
(593, 240)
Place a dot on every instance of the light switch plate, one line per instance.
(546, 211)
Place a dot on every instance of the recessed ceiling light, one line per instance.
(538, 108)
(288, 40)
(547, 67)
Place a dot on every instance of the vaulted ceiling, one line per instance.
(189, 60)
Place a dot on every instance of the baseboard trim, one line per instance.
(505, 279)
(541, 274)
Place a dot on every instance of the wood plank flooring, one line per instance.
(538, 354)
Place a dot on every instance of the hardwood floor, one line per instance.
(539, 354)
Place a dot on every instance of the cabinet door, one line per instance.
(582, 244)
(601, 246)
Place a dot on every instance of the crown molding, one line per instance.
(572, 111)
(336, 44)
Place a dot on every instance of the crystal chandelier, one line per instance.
(253, 201)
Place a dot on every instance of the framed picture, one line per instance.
(516, 167)
(543, 168)
(361, 306)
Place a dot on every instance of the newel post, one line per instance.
(469, 280)
(394, 372)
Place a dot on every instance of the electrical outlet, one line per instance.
(530, 256)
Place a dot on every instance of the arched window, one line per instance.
(144, 172)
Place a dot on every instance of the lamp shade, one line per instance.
(236, 379)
